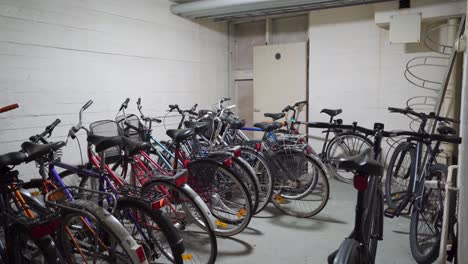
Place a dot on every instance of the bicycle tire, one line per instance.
(169, 233)
(349, 252)
(394, 180)
(184, 207)
(207, 176)
(107, 222)
(424, 204)
(376, 230)
(342, 175)
(319, 187)
(263, 173)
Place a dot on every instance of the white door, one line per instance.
(280, 78)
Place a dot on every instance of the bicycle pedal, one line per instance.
(390, 212)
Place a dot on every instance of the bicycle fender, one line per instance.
(347, 253)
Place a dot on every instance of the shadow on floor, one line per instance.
(243, 248)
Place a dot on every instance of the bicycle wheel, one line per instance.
(347, 144)
(301, 184)
(224, 193)
(262, 171)
(399, 173)
(245, 172)
(151, 229)
(426, 219)
(376, 228)
(96, 236)
(190, 216)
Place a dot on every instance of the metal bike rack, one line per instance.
(450, 189)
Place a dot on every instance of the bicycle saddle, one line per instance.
(179, 135)
(102, 143)
(197, 126)
(268, 127)
(234, 123)
(331, 112)
(274, 116)
(133, 147)
(35, 151)
(362, 163)
(12, 158)
(446, 130)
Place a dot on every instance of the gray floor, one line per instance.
(276, 238)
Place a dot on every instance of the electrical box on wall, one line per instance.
(405, 28)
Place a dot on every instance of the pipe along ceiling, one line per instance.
(220, 10)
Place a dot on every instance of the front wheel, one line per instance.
(426, 219)
(347, 144)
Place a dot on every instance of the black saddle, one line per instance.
(234, 123)
(12, 158)
(362, 163)
(35, 151)
(268, 127)
(179, 135)
(446, 130)
(102, 143)
(197, 126)
(332, 112)
(133, 147)
(274, 116)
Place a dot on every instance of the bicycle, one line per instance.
(23, 237)
(425, 204)
(149, 227)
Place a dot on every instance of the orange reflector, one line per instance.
(187, 257)
(241, 213)
(279, 198)
(220, 224)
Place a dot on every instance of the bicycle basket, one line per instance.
(139, 134)
(107, 128)
(288, 164)
(202, 177)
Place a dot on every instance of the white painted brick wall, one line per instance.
(353, 67)
(57, 54)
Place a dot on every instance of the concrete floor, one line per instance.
(276, 238)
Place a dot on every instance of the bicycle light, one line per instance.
(237, 152)
(360, 182)
(227, 163)
(141, 254)
(258, 146)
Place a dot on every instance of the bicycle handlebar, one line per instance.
(47, 132)
(432, 115)
(8, 108)
(394, 133)
(124, 104)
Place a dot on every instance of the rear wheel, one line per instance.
(95, 238)
(190, 218)
(426, 219)
(262, 171)
(151, 229)
(301, 186)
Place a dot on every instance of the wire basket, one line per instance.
(107, 128)
(203, 177)
(137, 131)
(286, 164)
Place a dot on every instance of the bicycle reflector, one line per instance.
(141, 254)
(182, 179)
(237, 152)
(360, 182)
(45, 229)
(186, 162)
(308, 150)
(227, 163)
(258, 146)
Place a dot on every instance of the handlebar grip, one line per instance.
(299, 103)
(225, 99)
(194, 107)
(192, 112)
(88, 104)
(51, 127)
(8, 108)
(139, 101)
(396, 110)
(156, 120)
(447, 119)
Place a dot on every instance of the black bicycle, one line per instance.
(412, 164)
